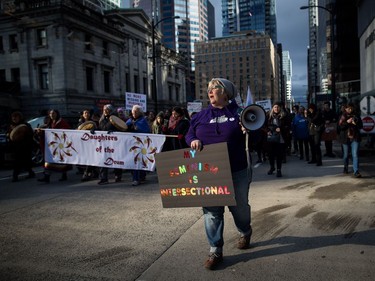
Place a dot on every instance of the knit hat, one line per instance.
(229, 87)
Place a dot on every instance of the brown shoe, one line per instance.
(213, 260)
(243, 242)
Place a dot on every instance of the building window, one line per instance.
(15, 75)
(169, 71)
(89, 79)
(127, 82)
(13, 42)
(105, 48)
(136, 84)
(41, 35)
(2, 75)
(1, 45)
(107, 81)
(88, 42)
(170, 93)
(43, 76)
(145, 85)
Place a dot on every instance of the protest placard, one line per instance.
(189, 178)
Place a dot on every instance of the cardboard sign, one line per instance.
(189, 178)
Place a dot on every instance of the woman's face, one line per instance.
(349, 110)
(175, 115)
(276, 108)
(16, 119)
(216, 95)
(86, 114)
(53, 115)
(107, 112)
(136, 113)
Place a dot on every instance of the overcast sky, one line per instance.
(292, 33)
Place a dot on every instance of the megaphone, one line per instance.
(253, 117)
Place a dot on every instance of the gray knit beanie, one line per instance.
(229, 87)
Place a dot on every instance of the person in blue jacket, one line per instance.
(139, 124)
(300, 127)
(220, 122)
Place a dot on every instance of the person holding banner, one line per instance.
(89, 172)
(55, 122)
(105, 124)
(178, 125)
(220, 122)
(139, 124)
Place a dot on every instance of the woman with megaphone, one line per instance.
(277, 130)
(220, 122)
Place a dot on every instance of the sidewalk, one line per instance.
(311, 224)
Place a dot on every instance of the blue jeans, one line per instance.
(354, 149)
(214, 216)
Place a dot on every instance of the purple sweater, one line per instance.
(214, 125)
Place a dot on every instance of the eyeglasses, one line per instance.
(209, 89)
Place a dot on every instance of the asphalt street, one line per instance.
(314, 223)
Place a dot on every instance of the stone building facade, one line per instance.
(247, 59)
(69, 56)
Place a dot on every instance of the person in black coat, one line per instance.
(21, 145)
(316, 126)
(178, 125)
(106, 125)
(277, 126)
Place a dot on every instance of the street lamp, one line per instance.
(154, 86)
(333, 74)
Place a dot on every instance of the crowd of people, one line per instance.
(174, 121)
(284, 132)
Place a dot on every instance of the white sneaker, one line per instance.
(135, 183)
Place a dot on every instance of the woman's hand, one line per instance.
(196, 145)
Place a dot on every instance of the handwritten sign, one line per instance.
(132, 99)
(189, 178)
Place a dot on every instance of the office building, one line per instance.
(246, 59)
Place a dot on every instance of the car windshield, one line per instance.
(36, 122)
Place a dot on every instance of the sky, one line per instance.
(292, 33)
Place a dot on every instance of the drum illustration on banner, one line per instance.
(61, 146)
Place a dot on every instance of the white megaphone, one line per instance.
(253, 117)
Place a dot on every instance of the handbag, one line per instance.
(274, 137)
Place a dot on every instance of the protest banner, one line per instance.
(189, 178)
(102, 149)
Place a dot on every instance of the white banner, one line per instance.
(103, 149)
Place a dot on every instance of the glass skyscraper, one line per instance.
(243, 15)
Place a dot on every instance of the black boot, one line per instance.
(270, 172)
(278, 173)
(45, 178)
